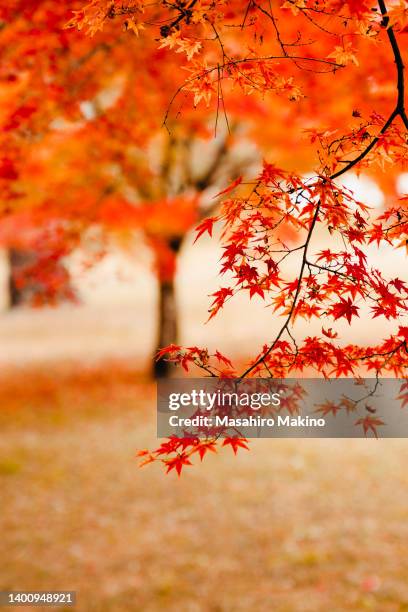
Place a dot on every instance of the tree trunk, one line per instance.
(168, 328)
(18, 294)
(167, 332)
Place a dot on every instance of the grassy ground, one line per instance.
(290, 526)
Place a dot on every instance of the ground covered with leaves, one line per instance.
(289, 526)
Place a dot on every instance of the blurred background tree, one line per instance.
(83, 141)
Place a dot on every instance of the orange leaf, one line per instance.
(205, 226)
(230, 188)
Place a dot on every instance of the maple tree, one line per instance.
(331, 77)
(100, 144)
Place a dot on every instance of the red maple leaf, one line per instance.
(256, 289)
(230, 187)
(329, 333)
(203, 447)
(222, 359)
(177, 463)
(403, 394)
(370, 423)
(344, 308)
(236, 443)
(205, 226)
(328, 408)
(403, 331)
(171, 348)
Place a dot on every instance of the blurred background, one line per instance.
(118, 310)
(97, 270)
(291, 525)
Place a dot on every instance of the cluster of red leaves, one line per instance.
(331, 285)
(178, 451)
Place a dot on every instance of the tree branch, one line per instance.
(296, 296)
(399, 110)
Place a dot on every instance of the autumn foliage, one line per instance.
(320, 87)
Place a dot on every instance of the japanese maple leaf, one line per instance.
(329, 333)
(256, 289)
(169, 446)
(348, 404)
(236, 443)
(219, 298)
(370, 423)
(171, 348)
(344, 55)
(403, 395)
(147, 457)
(177, 463)
(398, 284)
(328, 408)
(270, 173)
(344, 308)
(222, 359)
(203, 447)
(205, 226)
(234, 184)
(403, 331)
